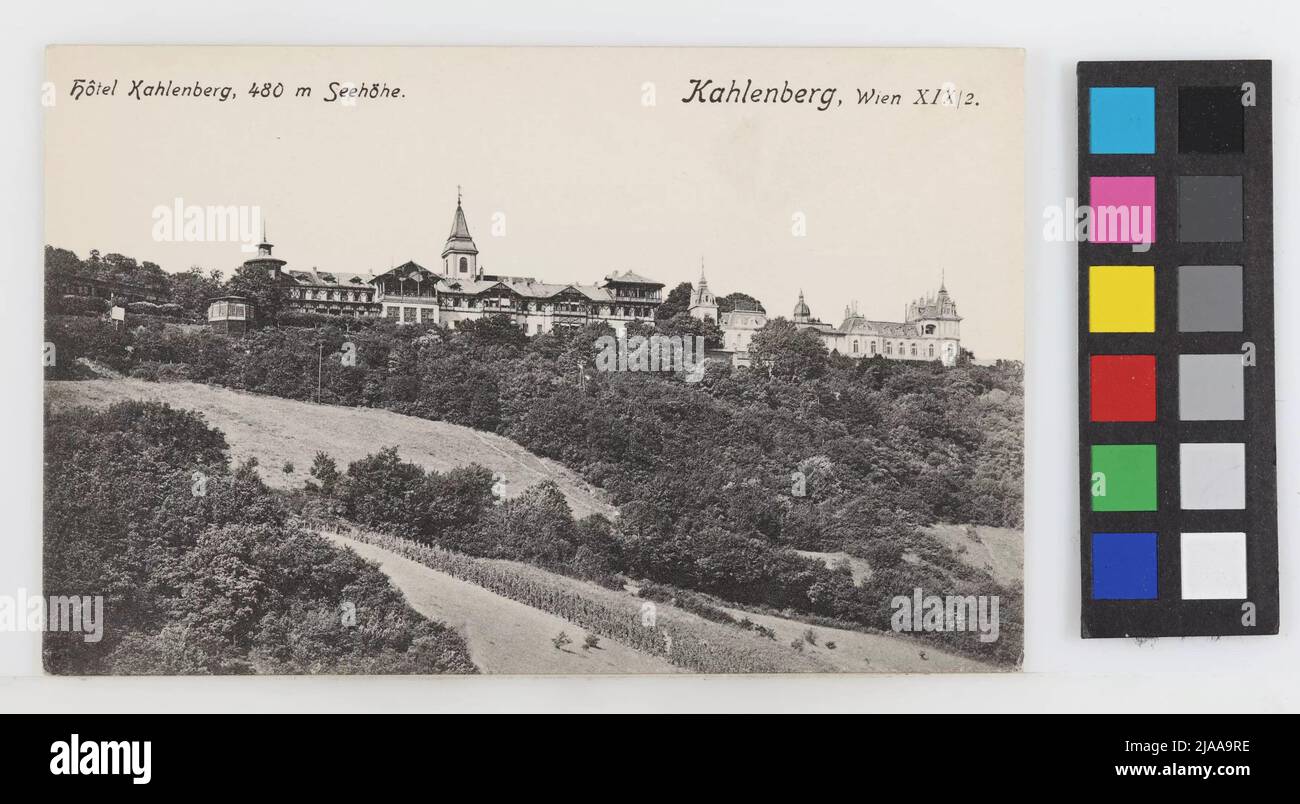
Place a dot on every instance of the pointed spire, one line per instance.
(459, 241)
(703, 282)
(264, 248)
(943, 286)
(459, 228)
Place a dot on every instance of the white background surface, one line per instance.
(1062, 672)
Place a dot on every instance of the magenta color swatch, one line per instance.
(1123, 209)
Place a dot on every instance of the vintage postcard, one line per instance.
(532, 360)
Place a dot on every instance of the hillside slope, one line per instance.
(277, 430)
(503, 635)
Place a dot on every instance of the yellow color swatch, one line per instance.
(1122, 298)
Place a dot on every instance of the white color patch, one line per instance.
(1213, 566)
(1213, 476)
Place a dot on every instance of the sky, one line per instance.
(573, 163)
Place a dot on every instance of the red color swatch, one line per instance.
(1123, 388)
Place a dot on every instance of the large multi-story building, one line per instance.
(461, 290)
(326, 293)
(931, 330)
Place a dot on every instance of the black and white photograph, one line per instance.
(570, 361)
(929, 361)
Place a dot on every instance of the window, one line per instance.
(913, 350)
(889, 348)
(408, 314)
(464, 265)
(929, 329)
(855, 347)
(239, 311)
(931, 350)
(872, 347)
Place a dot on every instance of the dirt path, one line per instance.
(504, 636)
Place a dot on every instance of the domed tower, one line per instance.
(264, 260)
(703, 305)
(802, 315)
(459, 255)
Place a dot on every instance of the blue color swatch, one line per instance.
(1123, 566)
(1123, 120)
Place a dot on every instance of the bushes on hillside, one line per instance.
(811, 451)
(166, 310)
(200, 569)
(69, 304)
(90, 338)
(382, 491)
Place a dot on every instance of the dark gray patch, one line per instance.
(1209, 209)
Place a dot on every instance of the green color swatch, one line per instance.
(1124, 477)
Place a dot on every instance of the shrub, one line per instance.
(326, 473)
(76, 305)
(200, 569)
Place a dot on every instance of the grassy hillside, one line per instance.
(500, 644)
(997, 551)
(505, 635)
(201, 570)
(276, 430)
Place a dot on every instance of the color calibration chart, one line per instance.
(1176, 372)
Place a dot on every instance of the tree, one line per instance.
(62, 266)
(492, 333)
(193, 289)
(728, 303)
(785, 351)
(267, 294)
(687, 325)
(677, 301)
(326, 473)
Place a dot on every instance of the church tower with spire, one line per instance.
(703, 305)
(459, 254)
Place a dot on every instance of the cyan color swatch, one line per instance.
(1122, 120)
(1123, 566)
